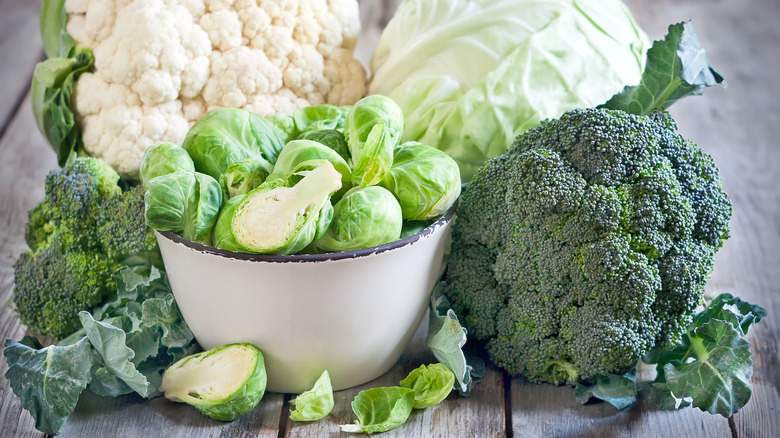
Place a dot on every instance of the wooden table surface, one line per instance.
(739, 127)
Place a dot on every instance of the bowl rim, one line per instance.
(302, 258)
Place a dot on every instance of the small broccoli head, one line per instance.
(122, 228)
(78, 236)
(54, 284)
(586, 244)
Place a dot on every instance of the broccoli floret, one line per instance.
(78, 236)
(586, 244)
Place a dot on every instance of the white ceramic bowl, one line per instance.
(351, 313)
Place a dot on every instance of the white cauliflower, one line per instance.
(161, 64)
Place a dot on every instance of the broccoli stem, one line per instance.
(699, 350)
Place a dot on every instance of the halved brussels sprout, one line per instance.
(298, 151)
(164, 158)
(330, 138)
(242, 177)
(373, 128)
(283, 217)
(223, 383)
(425, 180)
(183, 202)
(227, 135)
(222, 235)
(363, 218)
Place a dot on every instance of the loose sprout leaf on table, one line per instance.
(446, 338)
(431, 384)
(380, 409)
(315, 403)
(676, 67)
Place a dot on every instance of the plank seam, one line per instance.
(507, 383)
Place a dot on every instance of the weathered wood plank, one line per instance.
(481, 415)
(552, 411)
(20, 50)
(131, 416)
(25, 158)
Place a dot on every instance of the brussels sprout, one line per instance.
(164, 158)
(330, 138)
(425, 180)
(315, 403)
(222, 234)
(223, 383)
(242, 177)
(285, 125)
(431, 384)
(284, 216)
(227, 135)
(183, 202)
(317, 117)
(298, 151)
(373, 128)
(363, 218)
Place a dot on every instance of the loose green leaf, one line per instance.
(108, 342)
(315, 403)
(711, 367)
(676, 67)
(446, 338)
(665, 399)
(741, 314)
(431, 384)
(48, 381)
(53, 20)
(380, 409)
(718, 380)
(51, 93)
(617, 390)
(164, 313)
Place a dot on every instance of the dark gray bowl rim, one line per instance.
(408, 240)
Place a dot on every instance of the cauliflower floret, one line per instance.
(160, 65)
(118, 127)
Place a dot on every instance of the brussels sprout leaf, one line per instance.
(446, 338)
(676, 67)
(431, 384)
(380, 409)
(315, 403)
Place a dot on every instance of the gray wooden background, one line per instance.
(739, 127)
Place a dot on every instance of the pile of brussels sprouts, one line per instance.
(323, 179)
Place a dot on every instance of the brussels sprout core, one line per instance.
(223, 383)
(269, 219)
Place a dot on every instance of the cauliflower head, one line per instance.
(161, 65)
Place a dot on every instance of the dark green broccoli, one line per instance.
(79, 237)
(586, 244)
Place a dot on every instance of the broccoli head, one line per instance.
(586, 244)
(79, 237)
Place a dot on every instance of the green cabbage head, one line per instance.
(471, 75)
